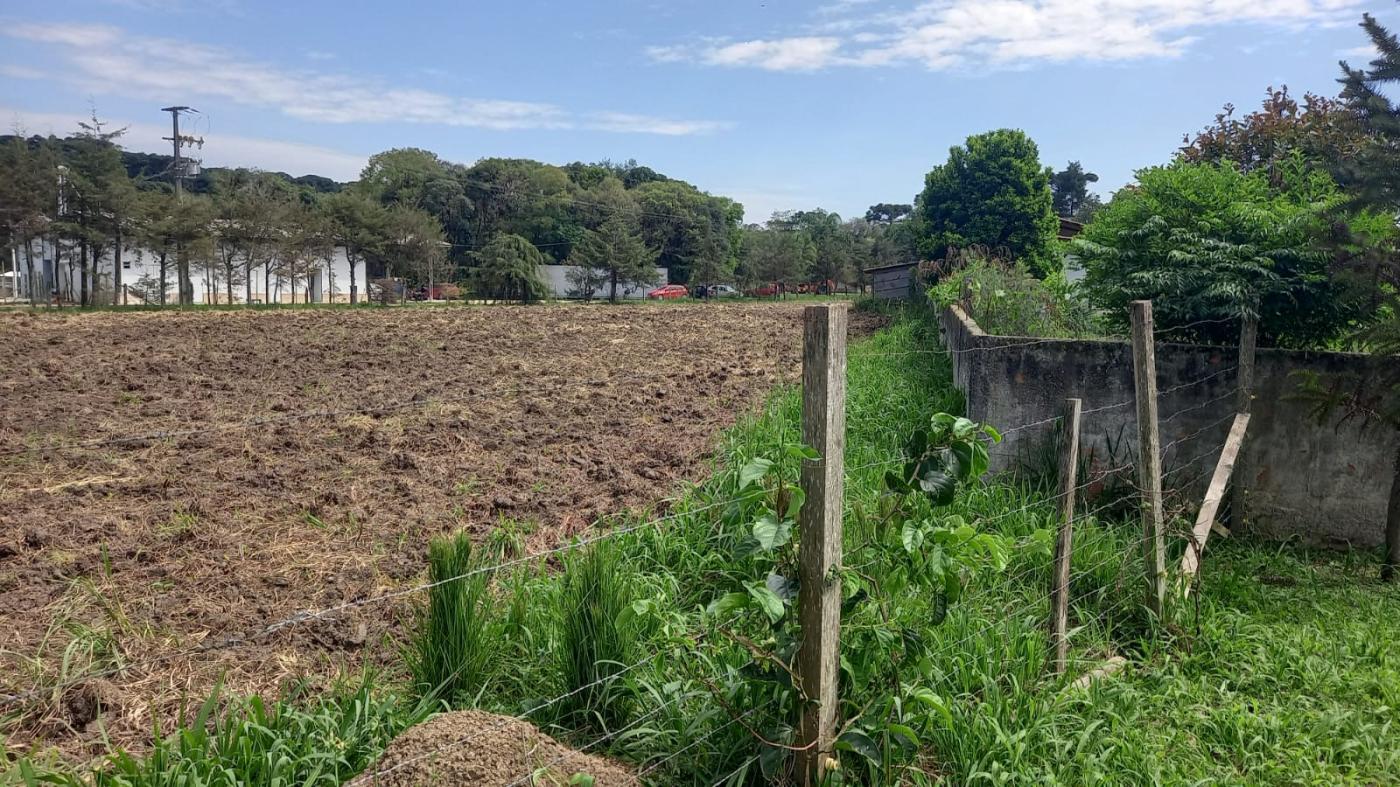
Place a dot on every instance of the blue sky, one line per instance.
(781, 105)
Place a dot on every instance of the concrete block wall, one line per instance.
(1325, 483)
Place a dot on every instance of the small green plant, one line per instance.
(451, 657)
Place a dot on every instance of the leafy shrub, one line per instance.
(1007, 300)
(452, 654)
(1206, 242)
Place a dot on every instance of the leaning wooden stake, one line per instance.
(819, 522)
(1149, 456)
(1191, 561)
(1059, 586)
(1244, 402)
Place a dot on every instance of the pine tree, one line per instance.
(617, 252)
(1372, 250)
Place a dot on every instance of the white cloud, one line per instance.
(220, 150)
(108, 61)
(20, 72)
(1364, 54)
(806, 53)
(944, 34)
(800, 53)
(646, 124)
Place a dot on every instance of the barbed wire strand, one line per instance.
(305, 617)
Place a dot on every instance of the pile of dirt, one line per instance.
(486, 750)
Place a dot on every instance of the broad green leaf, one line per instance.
(803, 452)
(957, 460)
(964, 429)
(771, 533)
(728, 603)
(912, 536)
(918, 443)
(755, 470)
(767, 600)
(981, 460)
(860, 743)
(939, 486)
(911, 738)
(931, 700)
(952, 586)
(991, 432)
(796, 497)
(782, 587)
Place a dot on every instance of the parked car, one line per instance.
(440, 292)
(767, 290)
(668, 292)
(722, 291)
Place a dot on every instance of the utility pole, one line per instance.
(177, 174)
(177, 167)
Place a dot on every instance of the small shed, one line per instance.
(894, 282)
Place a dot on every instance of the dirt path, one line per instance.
(376, 430)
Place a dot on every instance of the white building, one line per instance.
(61, 279)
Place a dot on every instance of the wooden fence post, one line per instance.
(819, 523)
(1149, 456)
(1244, 402)
(1191, 561)
(1059, 586)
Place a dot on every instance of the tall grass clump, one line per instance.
(597, 638)
(452, 656)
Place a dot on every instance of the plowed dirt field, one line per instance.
(172, 480)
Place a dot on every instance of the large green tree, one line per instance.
(358, 225)
(1070, 187)
(28, 195)
(618, 255)
(993, 192)
(508, 269)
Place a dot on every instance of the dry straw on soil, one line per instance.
(499, 751)
(444, 419)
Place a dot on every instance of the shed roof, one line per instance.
(894, 266)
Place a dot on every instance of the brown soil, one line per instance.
(486, 750)
(441, 419)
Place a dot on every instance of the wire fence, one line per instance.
(993, 617)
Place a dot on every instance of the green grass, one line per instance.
(1287, 672)
(597, 637)
(299, 740)
(457, 639)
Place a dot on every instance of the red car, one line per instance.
(767, 290)
(668, 292)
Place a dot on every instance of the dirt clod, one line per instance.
(501, 751)
(84, 702)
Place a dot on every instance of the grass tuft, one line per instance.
(453, 653)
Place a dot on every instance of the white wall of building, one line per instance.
(560, 285)
(327, 283)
